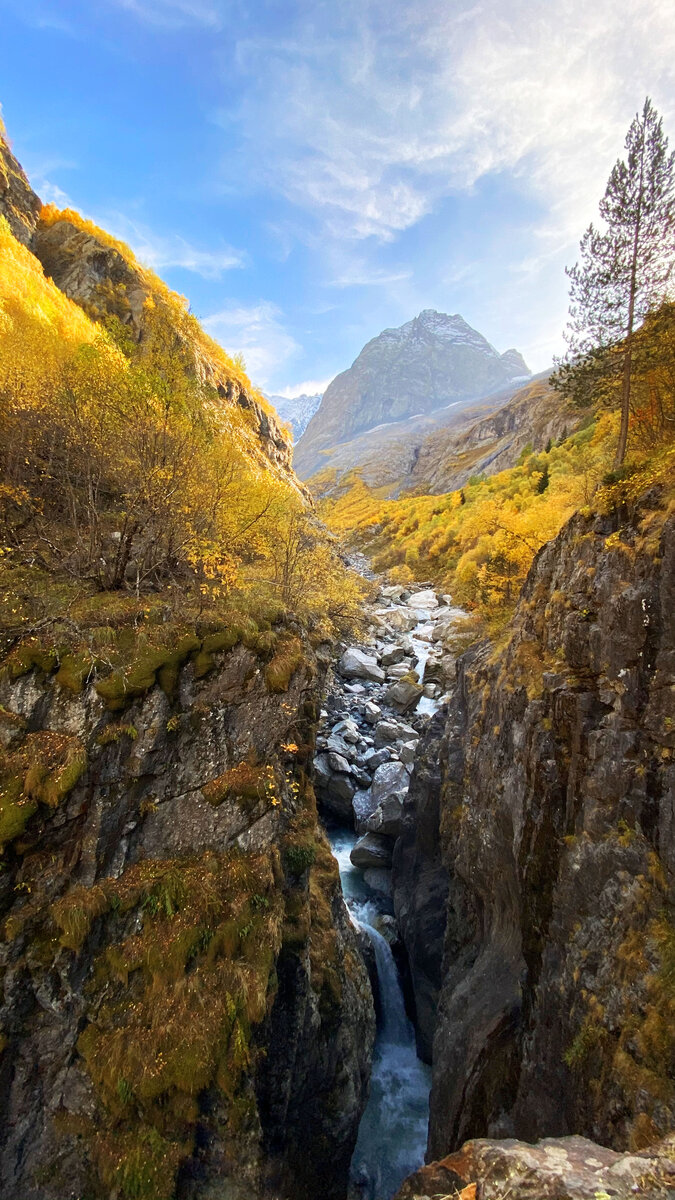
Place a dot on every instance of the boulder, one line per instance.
(371, 712)
(342, 787)
(391, 655)
(391, 779)
(426, 599)
(348, 730)
(337, 763)
(387, 817)
(393, 592)
(372, 850)
(356, 664)
(386, 731)
(362, 807)
(407, 752)
(400, 618)
(373, 758)
(400, 670)
(566, 1168)
(322, 771)
(403, 695)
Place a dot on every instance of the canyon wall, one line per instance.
(184, 1006)
(534, 873)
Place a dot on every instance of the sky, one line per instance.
(311, 173)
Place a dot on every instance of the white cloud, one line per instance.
(161, 252)
(174, 14)
(256, 332)
(308, 387)
(368, 121)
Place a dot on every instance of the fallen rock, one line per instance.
(356, 664)
(347, 729)
(393, 592)
(386, 731)
(426, 599)
(400, 670)
(372, 850)
(568, 1168)
(391, 779)
(362, 807)
(374, 758)
(407, 751)
(371, 712)
(392, 655)
(403, 695)
(337, 763)
(387, 817)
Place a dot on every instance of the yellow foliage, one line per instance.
(478, 543)
(121, 466)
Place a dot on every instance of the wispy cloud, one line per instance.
(385, 107)
(257, 332)
(308, 387)
(174, 14)
(162, 252)
(364, 276)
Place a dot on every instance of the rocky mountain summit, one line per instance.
(430, 363)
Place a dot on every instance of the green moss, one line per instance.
(288, 658)
(244, 630)
(75, 912)
(246, 783)
(299, 858)
(75, 670)
(43, 769)
(175, 1005)
(32, 655)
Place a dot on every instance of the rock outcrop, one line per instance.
(18, 202)
(429, 363)
(555, 1169)
(184, 1008)
(103, 277)
(538, 829)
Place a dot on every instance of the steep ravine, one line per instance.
(533, 878)
(379, 701)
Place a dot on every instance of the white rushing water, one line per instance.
(393, 1131)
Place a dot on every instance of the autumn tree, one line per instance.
(624, 270)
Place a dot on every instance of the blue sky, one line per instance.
(311, 173)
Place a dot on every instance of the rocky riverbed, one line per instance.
(379, 701)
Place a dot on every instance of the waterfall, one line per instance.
(393, 1131)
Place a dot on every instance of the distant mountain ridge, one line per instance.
(296, 411)
(431, 362)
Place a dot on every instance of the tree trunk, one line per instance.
(625, 404)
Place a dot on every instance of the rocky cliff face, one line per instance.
(548, 827)
(430, 362)
(18, 202)
(93, 272)
(184, 1007)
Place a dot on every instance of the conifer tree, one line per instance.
(625, 268)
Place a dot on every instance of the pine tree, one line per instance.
(625, 268)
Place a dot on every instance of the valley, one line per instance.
(337, 780)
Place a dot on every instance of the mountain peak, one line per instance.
(431, 362)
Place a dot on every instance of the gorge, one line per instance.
(338, 830)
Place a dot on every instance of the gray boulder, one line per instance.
(356, 664)
(403, 695)
(391, 655)
(371, 712)
(391, 779)
(372, 850)
(387, 817)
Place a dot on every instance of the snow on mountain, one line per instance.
(296, 411)
(433, 361)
